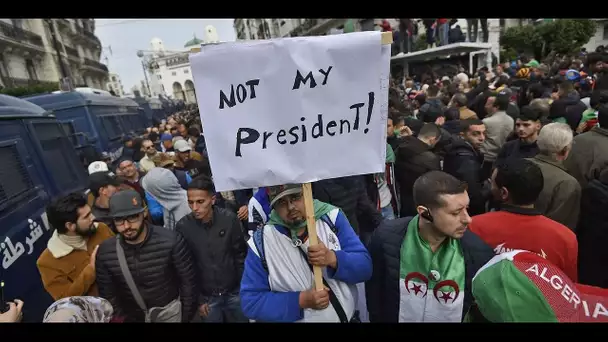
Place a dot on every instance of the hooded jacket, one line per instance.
(464, 162)
(414, 158)
(569, 108)
(165, 188)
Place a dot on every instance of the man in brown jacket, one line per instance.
(590, 151)
(459, 100)
(561, 195)
(67, 265)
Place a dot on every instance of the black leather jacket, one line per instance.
(162, 268)
(219, 249)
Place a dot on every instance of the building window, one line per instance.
(282, 23)
(18, 23)
(174, 73)
(113, 78)
(186, 71)
(605, 34)
(160, 77)
(31, 69)
(162, 87)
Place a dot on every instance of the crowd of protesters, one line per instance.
(506, 167)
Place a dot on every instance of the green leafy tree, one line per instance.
(566, 35)
(30, 90)
(561, 36)
(520, 39)
(420, 42)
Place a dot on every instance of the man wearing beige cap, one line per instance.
(277, 284)
(188, 160)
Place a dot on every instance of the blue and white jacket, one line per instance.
(272, 294)
(259, 209)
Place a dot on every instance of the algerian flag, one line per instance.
(521, 286)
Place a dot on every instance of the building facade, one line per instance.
(600, 37)
(251, 29)
(115, 85)
(169, 72)
(31, 51)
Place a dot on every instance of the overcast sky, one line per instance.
(127, 36)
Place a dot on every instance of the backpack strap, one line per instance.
(258, 241)
(325, 218)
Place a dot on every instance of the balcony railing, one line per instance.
(88, 34)
(72, 52)
(95, 64)
(178, 61)
(19, 34)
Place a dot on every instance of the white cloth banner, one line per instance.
(293, 110)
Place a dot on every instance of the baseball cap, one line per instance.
(533, 64)
(182, 146)
(166, 137)
(572, 75)
(521, 286)
(544, 68)
(277, 192)
(162, 160)
(125, 203)
(504, 95)
(102, 179)
(98, 166)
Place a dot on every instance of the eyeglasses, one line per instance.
(119, 221)
(283, 202)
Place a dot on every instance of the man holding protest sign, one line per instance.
(271, 114)
(277, 281)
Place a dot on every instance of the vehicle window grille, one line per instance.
(14, 178)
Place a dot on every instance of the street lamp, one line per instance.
(140, 54)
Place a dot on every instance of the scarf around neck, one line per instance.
(321, 208)
(432, 283)
(61, 245)
(390, 154)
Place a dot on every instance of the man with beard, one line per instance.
(463, 160)
(277, 284)
(146, 164)
(423, 265)
(190, 161)
(102, 186)
(527, 127)
(67, 265)
(130, 175)
(146, 272)
(218, 245)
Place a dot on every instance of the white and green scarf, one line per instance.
(431, 284)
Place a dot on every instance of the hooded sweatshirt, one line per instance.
(162, 184)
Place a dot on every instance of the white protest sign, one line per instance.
(293, 110)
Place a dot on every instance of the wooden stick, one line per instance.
(311, 225)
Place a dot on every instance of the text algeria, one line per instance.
(298, 133)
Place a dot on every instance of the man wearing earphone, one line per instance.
(423, 265)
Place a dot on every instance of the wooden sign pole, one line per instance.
(311, 223)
